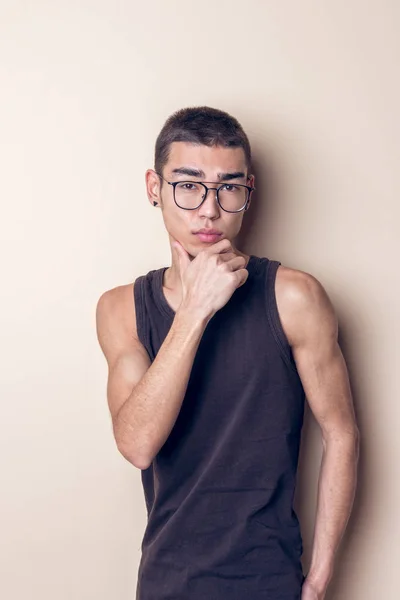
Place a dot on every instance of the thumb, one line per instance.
(183, 256)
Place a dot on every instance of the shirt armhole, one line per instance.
(142, 326)
(274, 318)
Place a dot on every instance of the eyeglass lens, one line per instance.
(190, 195)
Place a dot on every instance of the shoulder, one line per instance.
(115, 314)
(304, 306)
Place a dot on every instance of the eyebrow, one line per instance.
(200, 173)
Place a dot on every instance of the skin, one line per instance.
(144, 399)
(180, 223)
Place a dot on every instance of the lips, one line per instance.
(208, 237)
(209, 231)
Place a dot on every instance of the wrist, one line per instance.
(193, 316)
(319, 577)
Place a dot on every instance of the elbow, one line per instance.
(131, 448)
(357, 438)
(143, 463)
(136, 458)
(349, 439)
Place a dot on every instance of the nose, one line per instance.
(210, 206)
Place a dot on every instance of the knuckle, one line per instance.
(226, 243)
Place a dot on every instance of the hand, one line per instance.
(209, 280)
(310, 592)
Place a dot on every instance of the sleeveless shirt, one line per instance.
(219, 493)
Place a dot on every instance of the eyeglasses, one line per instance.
(189, 195)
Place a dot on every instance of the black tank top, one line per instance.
(219, 493)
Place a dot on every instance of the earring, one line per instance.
(155, 203)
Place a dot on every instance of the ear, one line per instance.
(153, 187)
(250, 181)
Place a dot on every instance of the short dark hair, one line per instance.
(200, 125)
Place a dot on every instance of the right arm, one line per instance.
(145, 398)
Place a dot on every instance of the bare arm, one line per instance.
(144, 398)
(311, 325)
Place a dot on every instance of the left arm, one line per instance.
(311, 326)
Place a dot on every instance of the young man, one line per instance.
(210, 361)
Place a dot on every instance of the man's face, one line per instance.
(212, 166)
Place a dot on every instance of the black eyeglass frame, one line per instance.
(175, 183)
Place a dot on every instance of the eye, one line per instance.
(229, 188)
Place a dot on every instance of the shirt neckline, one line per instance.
(165, 308)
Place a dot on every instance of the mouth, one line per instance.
(208, 237)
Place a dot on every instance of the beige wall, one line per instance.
(85, 88)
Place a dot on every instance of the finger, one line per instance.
(236, 262)
(227, 256)
(241, 275)
(220, 247)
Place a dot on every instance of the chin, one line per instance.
(192, 250)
